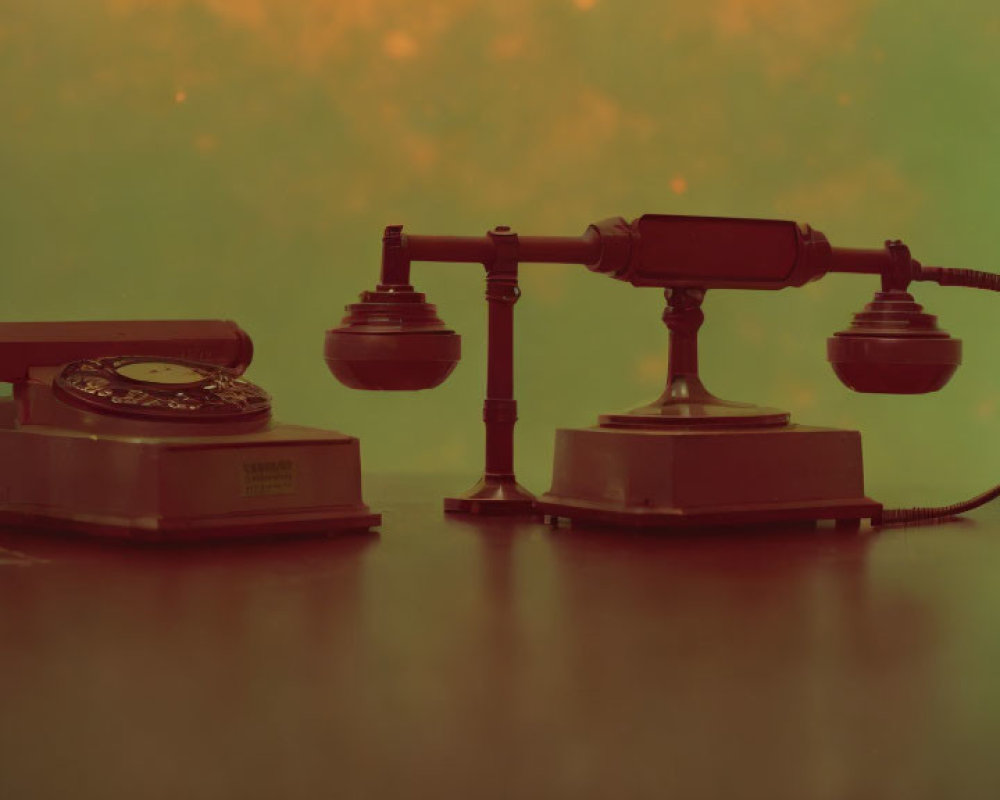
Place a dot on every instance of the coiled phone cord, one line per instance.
(973, 279)
(905, 516)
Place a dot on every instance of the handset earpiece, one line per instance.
(893, 347)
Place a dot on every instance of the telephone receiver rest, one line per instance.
(392, 340)
(893, 347)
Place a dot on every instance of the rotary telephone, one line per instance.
(148, 430)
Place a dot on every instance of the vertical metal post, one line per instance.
(498, 492)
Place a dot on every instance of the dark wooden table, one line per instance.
(447, 658)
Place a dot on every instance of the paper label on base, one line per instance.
(268, 478)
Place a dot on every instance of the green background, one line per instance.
(239, 159)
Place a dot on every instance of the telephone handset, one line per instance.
(170, 444)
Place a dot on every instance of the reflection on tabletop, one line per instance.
(500, 658)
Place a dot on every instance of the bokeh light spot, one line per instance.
(205, 143)
(507, 46)
(750, 329)
(651, 368)
(421, 151)
(797, 395)
(546, 285)
(399, 45)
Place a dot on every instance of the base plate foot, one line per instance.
(493, 495)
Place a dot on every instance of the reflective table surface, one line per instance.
(449, 657)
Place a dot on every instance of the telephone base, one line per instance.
(706, 477)
(280, 481)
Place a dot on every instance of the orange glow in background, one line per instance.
(239, 158)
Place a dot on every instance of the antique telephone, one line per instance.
(688, 458)
(146, 430)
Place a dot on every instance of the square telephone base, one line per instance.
(685, 478)
(284, 480)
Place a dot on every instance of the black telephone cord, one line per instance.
(973, 279)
